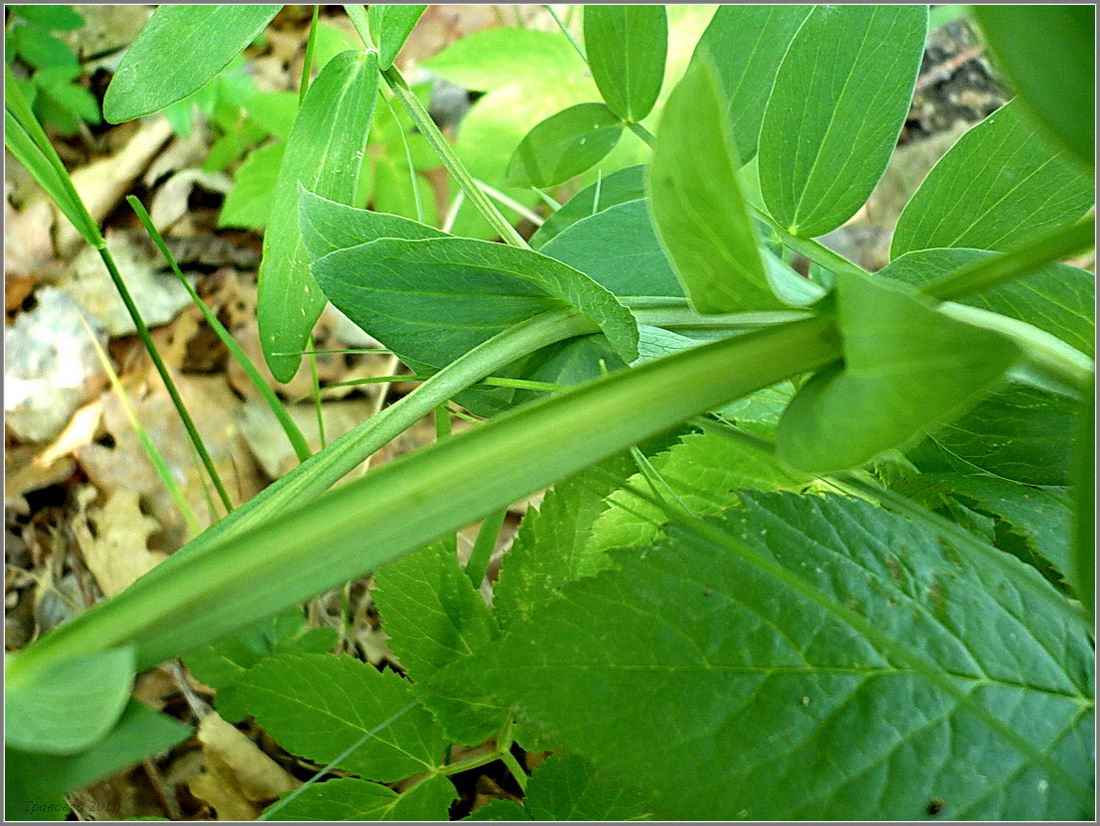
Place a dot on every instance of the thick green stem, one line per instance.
(407, 503)
(478, 563)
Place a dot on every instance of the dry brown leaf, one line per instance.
(239, 779)
(116, 551)
(80, 431)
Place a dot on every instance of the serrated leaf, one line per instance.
(818, 644)
(351, 799)
(318, 706)
(907, 368)
(1056, 298)
(746, 45)
(618, 248)
(180, 49)
(67, 706)
(248, 204)
(567, 787)
(698, 209)
(391, 25)
(999, 185)
(323, 154)
(1061, 39)
(626, 48)
(499, 809)
(839, 101)
(565, 144)
(617, 188)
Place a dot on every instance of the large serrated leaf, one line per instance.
(350, 799)
(566, 787)
(1002, 183)
(839, 101)
(318, 706)
(323, 154)
(179, 50)
(813, 658)
(626, 48)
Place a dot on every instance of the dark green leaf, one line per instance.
(499, 809)
(76, 99)
(249, 202)
(318, 706)
(1083, 568)
(1048, 54)
(1057, 298)
(802, 651)
(390, 26)
(323, 154)
(566, 787)
(180, 49)
(618, 248)
(328, 226)
(617, 188)
(907, 368)
(840, 99)
(566, 144)
(698, 209)
(351, 799)
(41, 49)
(1001, 184)
(52, 17)
(626, 48)
(746, 44)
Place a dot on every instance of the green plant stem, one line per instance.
(643, 133)
(478, 563)
(514, 768)
(293, 434)
(568, 34)
(810, 249)
(315, 383)
(405, 504)
(307, 63)
(426, 126)
(151, 348)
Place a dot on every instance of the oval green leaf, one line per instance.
(617, 188)
(626, 50)
(839, 102)
(391, 25)
(181, 48)
(323, 153)
(700, 214)
(1001, 184)
(566, 144)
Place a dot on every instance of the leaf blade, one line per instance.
(565, 144)
(626, 48)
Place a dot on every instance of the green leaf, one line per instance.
(618, 248)
(350, 799)
(393, 191)
(52, 17)
(391, 25)
(698, 209)
(318, 706)
(328, 226)
(1017, 432)
(67, 707)
(220, 665)
(839, 101)
(816, 644)
(999, 185)
(274, 111)
(566, 787)
(35, 779)
(617, 188)
(566, 144)
(906, 369)
(745, 45)
(323, 154)
(492, 59)
(430, 611)
(626, 48)
(499, 809)
(74, 98)
(1048, 55)
(41, 49)
(1082, 571)
(180, 49)
(248, 203)
(1057, 298)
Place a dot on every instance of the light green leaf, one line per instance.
(40, 48)
(1048, 55)
(566, 787)
(815, 644)
(70, 705)
(249, 202)
(317, 706)
(1057, 298)
(564, 145)
(618, 248)
(349, 799)
(323, 154)
(762, 409)
(390, 26)
(492, 59)
(180, 49)
(1001, 184)
(393, 191)
(840, 99)
(626, 47)
(274, 111)
(700, 214)
(1083, 568)
(907, 368)
(53, 17)
(617, 188)
(745, 44)
(33, 778)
